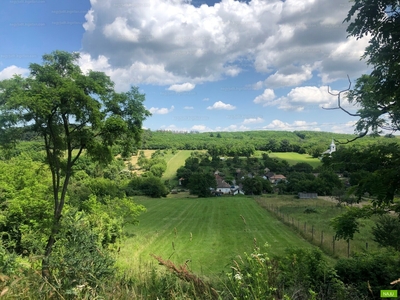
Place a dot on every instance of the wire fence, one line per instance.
(324, 240)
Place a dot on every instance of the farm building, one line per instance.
(308, 195)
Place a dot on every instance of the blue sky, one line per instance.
(203, 65)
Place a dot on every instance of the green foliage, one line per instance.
(310, 210)
(79, 257)
(9, 262)
(200, 184)
(253, 277)
(26, 212)
(254, 185)
(70, 112)
(150, 186)
(379, 20)
(306, 274)
(302, 167)
(373, 170)
(370, 271)
(387, 232)
(347, 224)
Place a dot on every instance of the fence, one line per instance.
(325, 241)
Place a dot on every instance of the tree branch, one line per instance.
(352, 140)
(339, 103)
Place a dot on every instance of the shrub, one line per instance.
(370, 272)
(254, 277)
(78, 258)
(305, 274)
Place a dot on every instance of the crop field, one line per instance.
(207, 233)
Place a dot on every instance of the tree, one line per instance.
(387, 232)
(71, 112)
(200, 184)
(378, 92)
(253, 186)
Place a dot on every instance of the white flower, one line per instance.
(238, 276)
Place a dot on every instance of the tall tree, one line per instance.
(72, 112)
(378, 92)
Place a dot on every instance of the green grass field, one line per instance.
(293, 158)
(325, 211)
(209, 232)
(174, 162)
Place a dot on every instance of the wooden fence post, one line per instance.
(322, 237)
(348, 248)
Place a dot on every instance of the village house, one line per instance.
(277, 178)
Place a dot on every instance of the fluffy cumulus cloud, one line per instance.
(161, 111)
(185, 87)
(219, 105)
(300, 97)
(267, 97)
(296, 125)
(176, 42)
(10, 71)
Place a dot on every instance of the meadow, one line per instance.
(173, 163)
(293, 212)
(293, 158)
(205, 233)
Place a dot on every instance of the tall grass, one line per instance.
(311, 219)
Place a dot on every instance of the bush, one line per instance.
(306, 274)
(254, 277)
(370, 272)
(78, 258)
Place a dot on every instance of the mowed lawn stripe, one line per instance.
(209, 232)
(174, 163)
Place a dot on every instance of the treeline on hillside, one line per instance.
(244, 143)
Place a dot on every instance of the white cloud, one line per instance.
(206, 99)
(89, 25)
(201, 128)
(184, 87)
(119, 30)
(344, 128)
(173, 42)
(10, 71)
(232, 127)
(188, 107)
(295, 78)
(221, 105)
(265, 98)
(161, 111)
(253, 120)
(301, 97)
(296, 125)
(232, 71)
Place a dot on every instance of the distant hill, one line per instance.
(275, 141)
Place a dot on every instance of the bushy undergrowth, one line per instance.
(298, 274)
